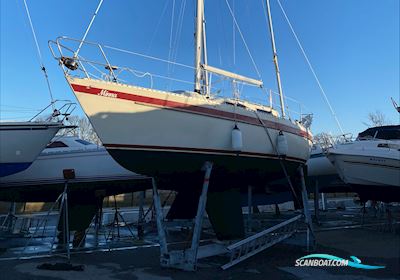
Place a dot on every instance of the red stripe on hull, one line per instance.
(192, 109)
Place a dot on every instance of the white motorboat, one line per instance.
(22, 142)
(170, 134)
(93, 169)
(371, 164)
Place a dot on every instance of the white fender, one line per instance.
(237, 140)
(281, 144)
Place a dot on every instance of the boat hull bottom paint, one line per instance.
(178, 170)
(13, 167)
(50, 192)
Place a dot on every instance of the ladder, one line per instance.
(258, 242)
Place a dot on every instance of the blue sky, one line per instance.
(352, 44)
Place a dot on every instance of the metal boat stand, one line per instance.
(249, 208)
(9, 220)
(118, 218)
(258, 242)
(307, 215)
(324, 202)
(239, 251)
(390, 219)
(316, 203)
(63, 217)
(42, 224)
(141, 218)
(182, 259)
(98, 223)
(69, 174)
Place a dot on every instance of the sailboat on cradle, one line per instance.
(169, 135)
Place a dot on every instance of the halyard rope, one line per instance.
(311, 68)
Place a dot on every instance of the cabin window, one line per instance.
(263, 111)
(56, 144)
(233, 104)
(388, 134)
(83, 142)
(383, 145)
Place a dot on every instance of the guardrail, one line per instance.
(97, 65)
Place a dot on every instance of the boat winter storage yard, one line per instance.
(226, 158)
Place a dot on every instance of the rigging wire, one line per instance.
(174, 39)
(222, 42)
(395, 105)
(171, 32)
(244, 41)
(42, 67)
(311, 68)
(178, 32)
(157, 26)
(234, 36)
(88, 28)
(280, 159)
(19, 110)
(19, 107)
(147, 56)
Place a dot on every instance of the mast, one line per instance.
(199, 45)
(275, 57)
(206, 78)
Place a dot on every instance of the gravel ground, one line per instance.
(339, 234)
(370, 245)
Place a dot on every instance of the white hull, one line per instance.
(90, 165)
(319, 165)
(96, 174)
(364, 163)
(322, 173)
(134, 118)
(21, 143)
(364, 170)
